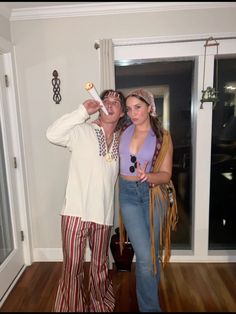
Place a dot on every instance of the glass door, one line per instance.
(11, 247)
(190, 126)
(222, 235)
(6, 233)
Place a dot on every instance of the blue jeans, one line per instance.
(134, 205)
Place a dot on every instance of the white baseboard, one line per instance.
(55, 255)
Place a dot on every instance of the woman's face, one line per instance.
(137, 110)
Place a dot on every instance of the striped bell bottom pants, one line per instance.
(72, 295)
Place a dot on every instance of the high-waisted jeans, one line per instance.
(134, 205)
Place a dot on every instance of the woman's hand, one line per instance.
(140, 171)
(142, 175)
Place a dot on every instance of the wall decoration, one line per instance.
(56, 87)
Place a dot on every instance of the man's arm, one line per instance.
(59, 132)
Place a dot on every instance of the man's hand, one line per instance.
(91, 106)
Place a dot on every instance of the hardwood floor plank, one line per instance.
(185, 287)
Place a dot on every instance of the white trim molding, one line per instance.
(55, 255)
(106, 8)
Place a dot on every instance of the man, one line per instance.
(88, 207)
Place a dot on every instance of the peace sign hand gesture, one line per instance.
(141, 174)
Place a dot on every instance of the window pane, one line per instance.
(222, 220)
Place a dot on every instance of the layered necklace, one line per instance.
(109, 141)
(108, 145)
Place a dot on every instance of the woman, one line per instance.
(141, 171)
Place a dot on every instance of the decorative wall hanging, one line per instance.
(210, 94)
(56, 87)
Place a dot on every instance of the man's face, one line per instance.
(113, 106)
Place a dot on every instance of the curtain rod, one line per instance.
(97, 46)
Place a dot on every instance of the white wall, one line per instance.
(67, 45)
(5, 28)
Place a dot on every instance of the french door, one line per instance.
(179, 52)
(11, 247)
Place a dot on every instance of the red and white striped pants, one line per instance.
(71, 294)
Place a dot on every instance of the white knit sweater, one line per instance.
(92, 177)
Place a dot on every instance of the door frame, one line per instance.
(16, 178)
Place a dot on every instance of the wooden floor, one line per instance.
(185, 287)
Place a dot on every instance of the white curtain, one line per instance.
(107, 70)
(107, 81)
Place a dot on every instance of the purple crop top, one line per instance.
(128, 161)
